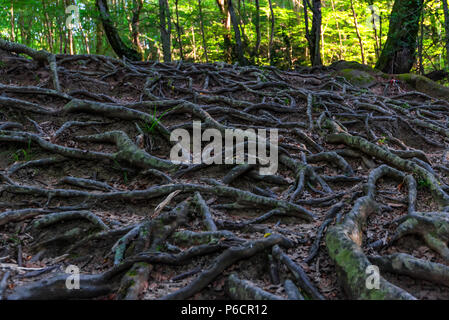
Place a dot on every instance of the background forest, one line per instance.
(271, 31)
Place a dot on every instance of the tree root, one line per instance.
(40, 56)
(401, 263)
(56, 217)
(344, 246)
(301, 278)
(225, 260)
(239, 289)
(292, 291)
(371, 149)
(433, 227)
(205, 212)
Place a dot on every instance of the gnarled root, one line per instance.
(239, 289)
(433, 227)
(344, 246)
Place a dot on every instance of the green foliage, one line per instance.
(382, 140)
(117, 166)
(22, 154)
(149, 127)
(423, 184)
(41, 25)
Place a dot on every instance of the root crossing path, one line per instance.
(358, 206)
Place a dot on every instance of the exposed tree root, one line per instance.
(405, 264)
(86, 179)
(244, 290)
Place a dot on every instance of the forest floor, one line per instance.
(83, 170)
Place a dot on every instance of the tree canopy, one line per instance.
(269, 31)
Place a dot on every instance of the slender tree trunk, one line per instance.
(399, 53)
(288, 46)
(23, 34)
(71, 44)
(255, 52)
(373, 21)
(59, 22)
(99, 39)
(69, 32)
(165, 27)
(119, 47)
(270, 44)
(13, 33)
(340, 47)
(242, 25)
(223, 6)
(178, 31)
(85, 41)
(202, 31)
(238, 39)
(49, 26)
(135, 24)
(380, 33)
(314, 36)
(193, 43)
(446, 29)
(421, 45)
(356, 25)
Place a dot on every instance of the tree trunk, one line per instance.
(135, 24)
(99, 40)
(85, 40)
(399, 53)
(178, 30)
(340, 47)
(193, 43)
(23, 34)
(421, 45)
(270, 45)
(119, 47)
(202, 31)
(70, 33)
(373, 21)
(238, 40)
(258, 35)
(223, 6)
(356, 25)
(49, 26)
(71, 44)
(165, 27)
(13, 33)
(314, 36)
(446, 29)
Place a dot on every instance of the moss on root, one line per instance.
(425, 85)
(356, 77)
(343, 243)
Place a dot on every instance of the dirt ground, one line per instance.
(112, 188)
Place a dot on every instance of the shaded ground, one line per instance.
(92, 201)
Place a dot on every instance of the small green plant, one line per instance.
(423, 184)
(405, 106)
(125, 174)
(170, 84)
(22, 154)
(2, 64)
(149, 128)
(382, 140)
